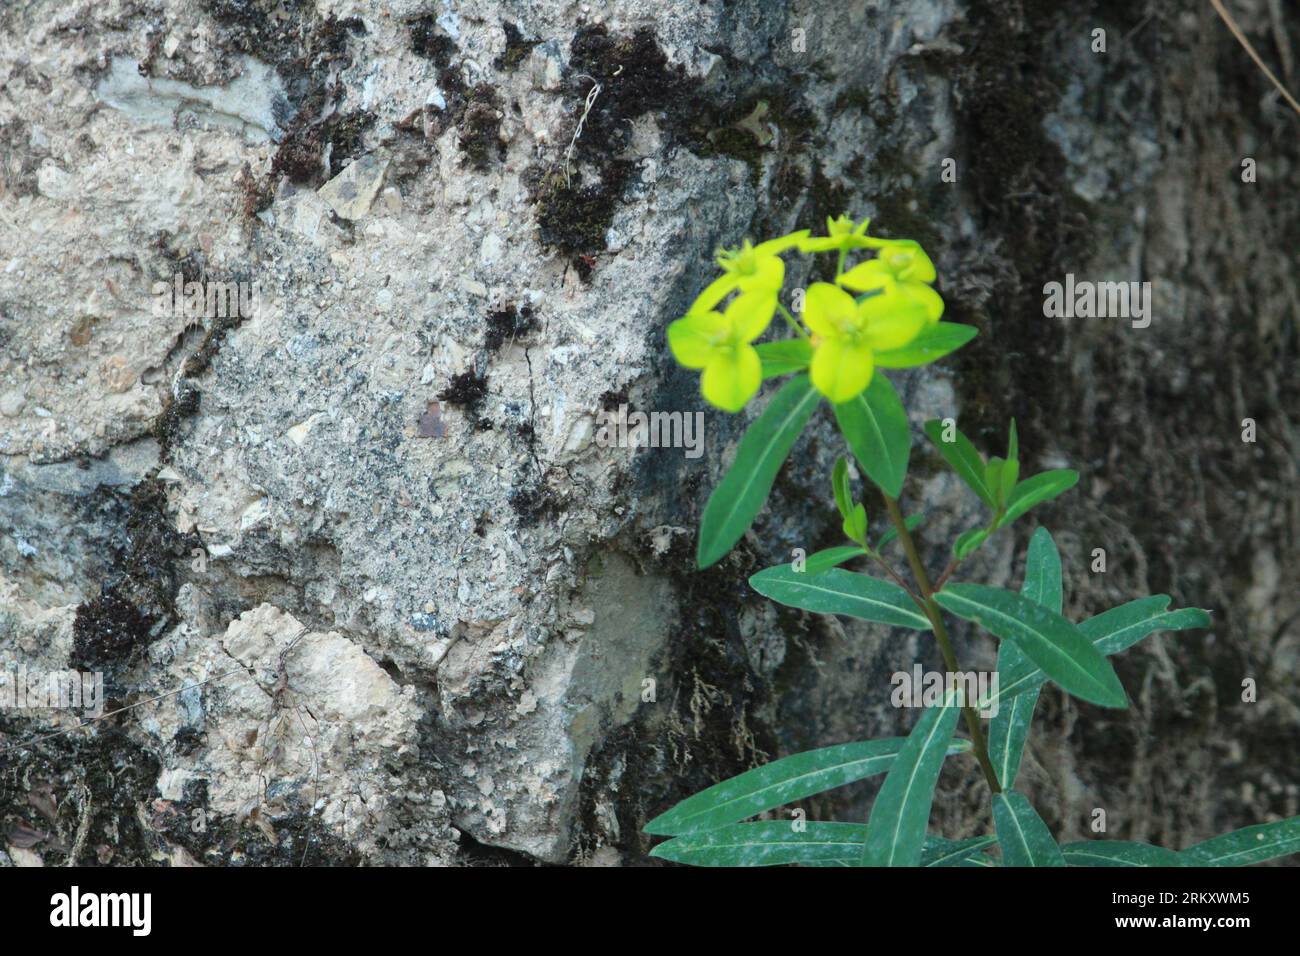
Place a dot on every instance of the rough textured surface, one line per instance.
(372, 515)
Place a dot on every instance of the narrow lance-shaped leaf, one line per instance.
(1022, 835)
(765, 843)
(896, 827)
(1257, 844)
(941, 852)
(740, 495)
(993, 479)
(968, 541)
(1042, 583)
(933, 343)
(1048, 639)
(780, 782)
(963, 458)
(1109, 632)
(875, 426)
(820, 561)
(840, 485)
(854, 515)
(1009, 727)
(780, 843)
(1120, 853)
(1035, 490)
(841, 592)
(937, 852)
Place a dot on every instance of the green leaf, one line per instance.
(780, 782)
(766, 843)
(1119, 853)
(1013, 444)
(855, 525)
(1042, 583)
(1266, 841)
(933, 343)
(1110, 632)
(784, 356)
(840, 485)
(740, 495)
(896, 827)
(1022, 835)
(993, 478)
(968, 542)
(892, 532)
(1049, 640)
(1037, 489)
(964, 459)
(841, 592)
(820, 561)
(1007, 485)
(1121, 627)
(941, 852)
(875, 426)
(1009, 728)
(937, 852)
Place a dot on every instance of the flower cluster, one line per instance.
(878, 305)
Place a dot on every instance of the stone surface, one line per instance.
(482, 641)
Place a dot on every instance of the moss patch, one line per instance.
(476, 111)
(517, 49)
(136, 603)
(468, 390)
(508, 323)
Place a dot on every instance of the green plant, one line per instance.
(836, 353)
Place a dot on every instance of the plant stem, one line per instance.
(785, 314)
(941, 635)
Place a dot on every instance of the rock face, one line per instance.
(309, 313)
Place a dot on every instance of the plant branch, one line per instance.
(941, 635)
(898, 579)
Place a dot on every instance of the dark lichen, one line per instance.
(532, 501)
(476, 111)
(507, 324)
(97, 778)
(468, 390)
(517, 48)
(479, 128)
(308, 52)
(574, 213)
(575, 218)
(136, 603)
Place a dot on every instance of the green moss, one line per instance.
(575, 218)
(479, 127)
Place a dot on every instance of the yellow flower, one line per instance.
(841, 235)
(719, 343)
(751, 268)
(902, 267)
(848, 334)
